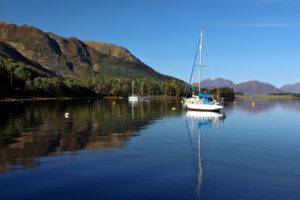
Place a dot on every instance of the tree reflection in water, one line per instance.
(37, 129)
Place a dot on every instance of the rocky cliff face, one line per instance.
(71, 57)
(114, 50)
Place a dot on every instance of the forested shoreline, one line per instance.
(19, 80)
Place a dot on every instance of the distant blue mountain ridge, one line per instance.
(250, 87)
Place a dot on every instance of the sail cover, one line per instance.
(200, 94)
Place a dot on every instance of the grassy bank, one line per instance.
(267, 96)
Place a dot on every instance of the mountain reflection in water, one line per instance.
(265, 105)
(37, 129)
(253, 153)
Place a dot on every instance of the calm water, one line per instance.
(113, 150)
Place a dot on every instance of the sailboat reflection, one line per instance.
(138, 106)
(133, 105)
(196, 122)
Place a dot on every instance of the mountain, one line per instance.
(213, 83)
(13, 64)
(291, 88)
(249, 87)
(8, 52)
(255, 87)
(69, 57)
(114, 50)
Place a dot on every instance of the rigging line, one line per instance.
(211, 68)
(208, 56)
(195, 58)
(191, 143)
(212, 145)
(215, 135)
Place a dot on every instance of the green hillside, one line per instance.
(36, 63)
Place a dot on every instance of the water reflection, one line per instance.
(32, 130)
(291, 105)
(196, 123)
(264, 104)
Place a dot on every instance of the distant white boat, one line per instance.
(202, 102)
(143, 98)
(133, 97)
(136, 98)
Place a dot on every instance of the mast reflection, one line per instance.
(196, 122)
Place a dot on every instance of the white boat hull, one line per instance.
(133, 98)
(204, 114)
(137, 98)
(203, 107)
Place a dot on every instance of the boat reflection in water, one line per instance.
(138, 105)
(196, 122)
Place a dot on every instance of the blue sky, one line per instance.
(245, 39)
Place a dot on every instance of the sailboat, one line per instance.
(133, 97)
(136, 98)
(202, 102)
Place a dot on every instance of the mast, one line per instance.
(200, 169)
(142, 88)
(200, 64)
(132, 88)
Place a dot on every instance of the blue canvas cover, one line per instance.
(207, 101)
(205, 123)
(200, 94)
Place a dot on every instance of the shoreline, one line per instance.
(153, 98)
(27, 99)
(9, 99)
